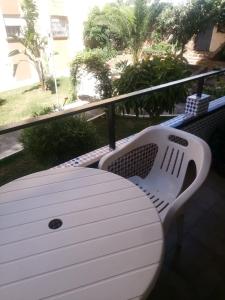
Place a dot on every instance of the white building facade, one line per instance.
(60, 21)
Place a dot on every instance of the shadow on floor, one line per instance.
(199, 271)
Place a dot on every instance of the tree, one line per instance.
(123, 25)
(220, 12)
(94, 61)
(145, 22)
(34, 45)
(99, 31)
(179, 24)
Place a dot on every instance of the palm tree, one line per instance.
(131, 22)
(137, 24)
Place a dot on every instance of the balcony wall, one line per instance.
(10, 7)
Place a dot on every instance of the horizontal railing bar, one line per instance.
(102, 103)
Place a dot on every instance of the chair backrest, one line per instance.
(176, 150)
(158, 147)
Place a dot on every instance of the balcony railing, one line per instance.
(110, 103)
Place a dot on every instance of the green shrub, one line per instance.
(107, 27)
(102, 55)
(215, 87)
(50, 84)
(94, 61)
(158, 49)
(60, 140)
(151, 73)
(43, 111)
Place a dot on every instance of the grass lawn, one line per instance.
(22, 164)
(16, 166)
(124, 126)
(20, 104)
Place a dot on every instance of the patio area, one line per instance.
(63, 196)
(199, 271)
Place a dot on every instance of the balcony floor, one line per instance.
(199, 271)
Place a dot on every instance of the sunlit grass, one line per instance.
(19, 104)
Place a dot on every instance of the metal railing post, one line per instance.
(111, 126)
(200, 86)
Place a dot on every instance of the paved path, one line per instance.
(9, 144)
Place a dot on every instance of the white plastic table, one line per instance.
(77, 234)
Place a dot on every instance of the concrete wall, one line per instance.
(59, 52)
(62, 57)
(25, 74)
(218, 38)
(23, 70)
(4, 62)
(10, 7)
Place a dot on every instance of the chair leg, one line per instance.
(180, 227)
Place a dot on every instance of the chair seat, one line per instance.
(161, 192)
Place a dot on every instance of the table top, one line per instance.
(77, 233)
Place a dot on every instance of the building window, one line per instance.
(13, 31)
(13, 26)
(59, 27)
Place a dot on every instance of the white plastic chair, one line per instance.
(157, 160)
